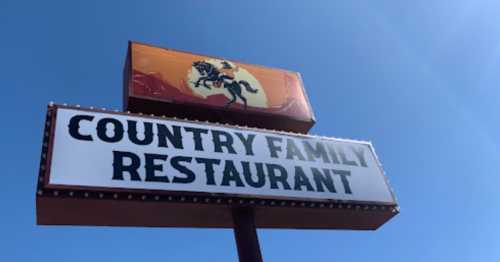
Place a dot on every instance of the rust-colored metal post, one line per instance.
(245, 234)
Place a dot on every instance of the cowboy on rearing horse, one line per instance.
(210, 73)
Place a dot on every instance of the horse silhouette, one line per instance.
(210, 73)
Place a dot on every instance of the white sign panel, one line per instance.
(110, 150)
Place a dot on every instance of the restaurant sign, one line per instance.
(107, 152)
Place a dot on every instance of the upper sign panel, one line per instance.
(167, 82)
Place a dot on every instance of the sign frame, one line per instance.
(110, 206)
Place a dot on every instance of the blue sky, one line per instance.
(419, 79)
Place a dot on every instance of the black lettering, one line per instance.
(248, 174)
(343, 177)
(74, 127)
(321, 180)
(318, 152)
(273, 149)
(164, 134)
(333, 153)
(301, 180)
(132, 133)
(151, 168)
(117, 126)
(231, 174)
(274, 178)
(219, 143)
(292, 150)
(176, 163)
(209, 168)
(247, 142)
(119, 167)
(360, 154)
(198, 143)
(344, 159)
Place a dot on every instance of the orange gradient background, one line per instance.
(170, 68)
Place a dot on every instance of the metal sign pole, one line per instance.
(245, 234)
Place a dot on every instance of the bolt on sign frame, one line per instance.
(107, 168)
(180, 84)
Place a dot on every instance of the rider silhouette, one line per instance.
(210, 73)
